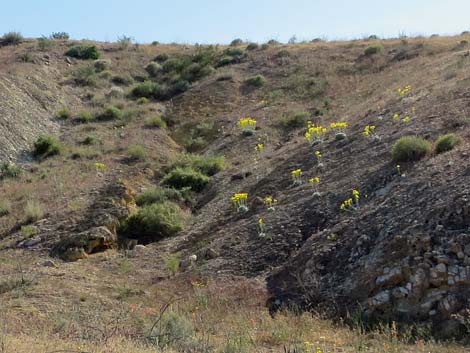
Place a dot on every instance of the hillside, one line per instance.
(155, 129)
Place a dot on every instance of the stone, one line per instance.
(455, 248)
(48, 263)
(441, 268)
(139, 249)
(400, 292)
(391, 277)
(443, 259)
(448, 306)
(211, 254)
(379, 300)
(29, 242)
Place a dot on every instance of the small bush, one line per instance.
(175, 330)
(226, 60)
(45, 43)
(296, 121)
(85, 117)
(207, 165)
(85, 76)
(446, 143)
(195, 72)
(283, 53)
(124, 42)
(149, 89)
(9, 170)
(137, 152)
(111, 113)
(64, 114)
(90, 140)
(102, 64)
(84, 52)
(410, 148)
(142, 101)
(33, 211)
(11, 38)
(233, 52)
(161, 58)
(153, 69)
(256, 81)
(60, 35)
(176, 65)
(46, 146)
(158, 194)
(155, 122)
(27, 58)
(373, 49)
(123, 80)
(106, 74)
(186, 177)
(236, 42)
(252, 46)
(5, 208)
(154, 222)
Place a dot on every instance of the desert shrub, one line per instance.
(26, 58)
(177, 64)
(90, 140)
(236, 42)
(178, 86)
(158, 194)
(9, 170)
(155, 121)
(373, 49)
(123, 80)
(154, 222)
(149, 89)
(233, 52)
(106, 74)
(84, 52)
(195, 72)
(252, 46)
(102, 64)
(161, 58)
(256, 81)
(142, 101)
(175, 331)
(5, 208)
(64, 114)
(153, 69)
(273, 42)
(11, 38)
(60, 35)
(446, 143)
(85, 76)
(124, 42)
(226, 60)
(85, 117)
(33, 211)
(137, 152)
(373, 37)
(111, 112)
(295, 121)
(410, 148)
(45, 43)
(284, 53)
(208, 165)
(46, 146)
(186, 177)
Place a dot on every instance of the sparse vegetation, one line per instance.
(33, 211)
(373, 49)
(47, 146)
(446, 143)
(84, 52)
(186, 177)
(85, 117)
(9, 170)
(137, 152)
(85, 76)
(111, 112)
(256, 81)
(155, 121)
(5, 208)
(11, 38)
(64, 114)
(60, 36)
(158, 194)
(410, 148)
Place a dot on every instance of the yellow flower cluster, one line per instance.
(247, 123)
(314, 180)
(407, 119)
(314, 133)
(269, 200)
(368, 130)
(404, 90)
(396, 116)
(239, 200)
(240, 196)
(339, 124)
(100, 166)
(318, 154)
(297, 176)
(259, 147)
(296, 172)
(352, 202)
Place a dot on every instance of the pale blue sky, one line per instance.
(219, 21)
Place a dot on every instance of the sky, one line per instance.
(219, 21)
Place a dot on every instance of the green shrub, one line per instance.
(176, 65)
(106, 74)
(157, 194)
(123, 80)
(5, 208)
(236, 42)
(85, 117)
(28, 231)
(9, 170)
(252, 46)
(64, 114)
(149, 89)
(233, 52)
(206, 165)
(111, 113)
(102, 64)
(153, 69)
(154, 222)
(155, 122)
(46, 146)
(90, 140)
(161, 58)
(256, 81)
(60, 35)
(27, 58)
(85, 76)
(33, 211)
(225, 60)
(373, 49)
(195, 72)
(84, 52)
(124, 42)
(296, 121)
(446, 143)
(142, 101)
(45, 43)
(175, 331)
(410, 148)
(11, 38)
(186, 177)
(284, 53)
(137, 152)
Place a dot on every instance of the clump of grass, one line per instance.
(410, 148)
(122, 80)
(160, 58)
(60, 36)
(64, 114)
(9, 170)
(236, 42)
(256, 81)
(175, 331)
(252, 46)
(153, 69)
(85, 117)
(137, 152)
(233, 51)
(33, 211)
(84, 52)
(158, 194)
(90, 140)
(111, 112)
(172, 263)
(47, 146)
(154, 222)
(207, 165)
(373, 49)
(85, 76)
(186, 177)
(446, 143)
(295, 121)
(155, 122)
(45, 43)
(106, 74)
(142, 101)
(11, 38)
(28, 231)
(102, 64)
(5, 208)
